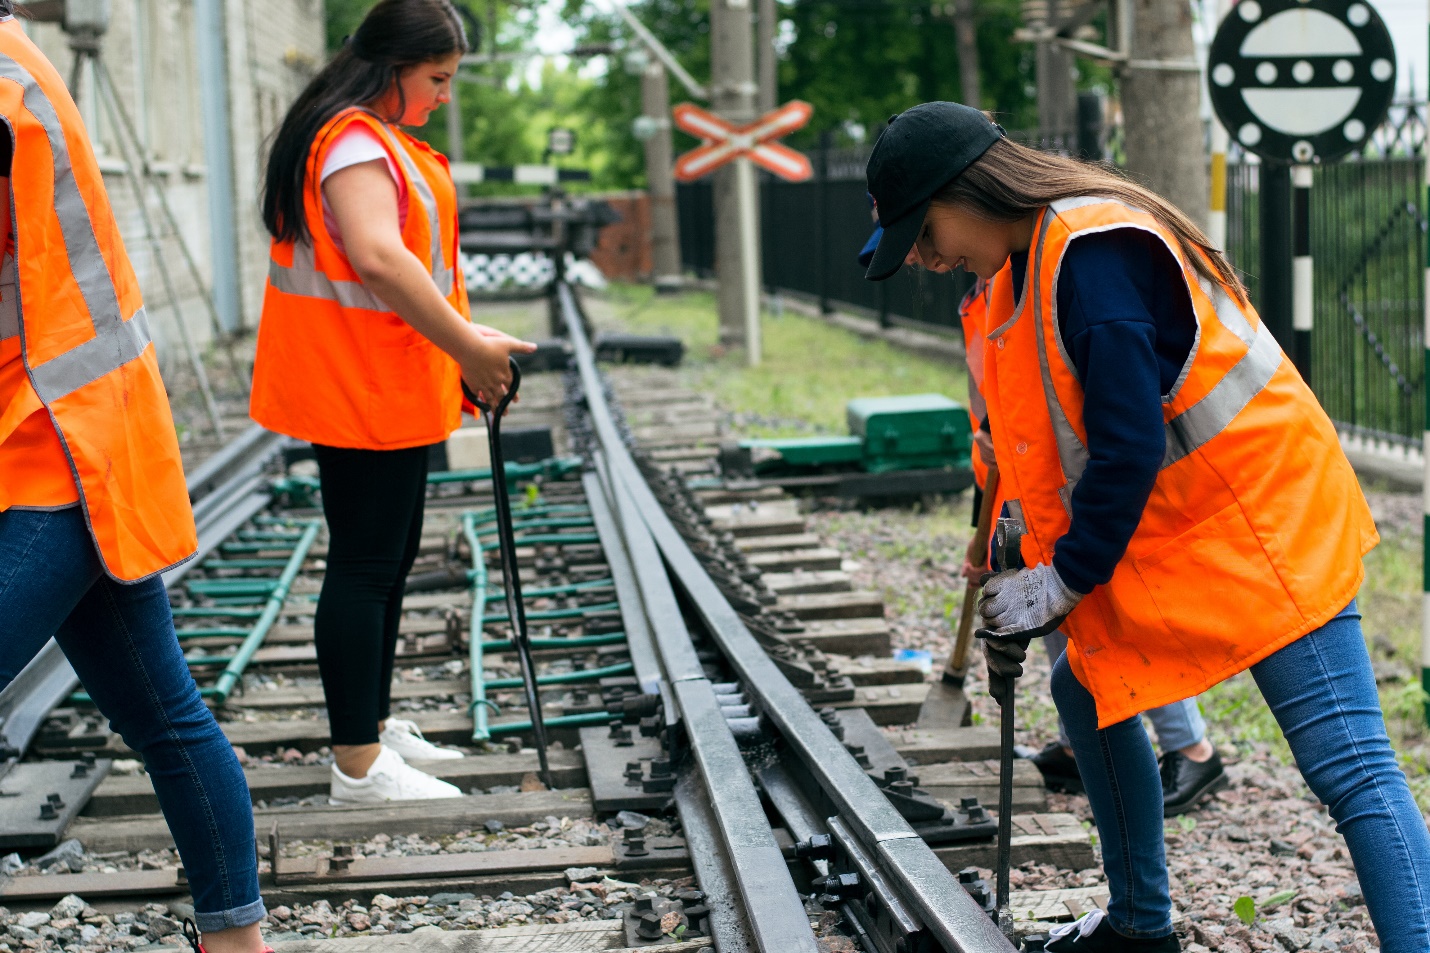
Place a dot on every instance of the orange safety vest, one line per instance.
(1255, 528)
(84, 335)
(335, 365)
(974, 312)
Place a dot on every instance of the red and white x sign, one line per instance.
(725, 141)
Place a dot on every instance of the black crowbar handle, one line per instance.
(511, 577)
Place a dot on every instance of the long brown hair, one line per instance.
(1010, 182)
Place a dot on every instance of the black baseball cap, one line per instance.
(922, 150)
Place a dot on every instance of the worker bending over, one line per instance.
(1244, 549)
(365, 338)
(1190, 766)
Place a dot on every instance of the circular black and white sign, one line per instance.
(1301, 81)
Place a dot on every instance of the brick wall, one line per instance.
(623, 253)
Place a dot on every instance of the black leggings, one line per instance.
(373, 500)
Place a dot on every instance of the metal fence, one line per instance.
(1368, 233)
(811, 235)
(1369, 226)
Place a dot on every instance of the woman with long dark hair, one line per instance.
(1186, 509)
(365, 337)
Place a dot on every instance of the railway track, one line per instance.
(726, 764)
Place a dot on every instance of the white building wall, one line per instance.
(274, 48)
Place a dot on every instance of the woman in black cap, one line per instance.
(1187, 512)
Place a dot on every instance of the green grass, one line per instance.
(810, 368)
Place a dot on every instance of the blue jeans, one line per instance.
(120, 640)
(1178, 725)
(1322, 692)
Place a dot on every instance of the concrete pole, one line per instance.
(1056, 91)
(660, 180)
(732, 94)
(456, 148)
(1161, 100)
(965, 28)
(765, 59)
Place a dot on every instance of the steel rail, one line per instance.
(904, 860)
(475, 646)
(774, 917)
(623, 579)
(272, 609)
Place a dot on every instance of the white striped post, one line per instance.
(1216, 212)
(1302, 310)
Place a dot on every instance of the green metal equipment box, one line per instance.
(917, 431)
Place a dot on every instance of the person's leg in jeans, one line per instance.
(1322, 691)
(369, 498)
(120, 640)
(1190, 765)
(1124, 788)
(393, 620)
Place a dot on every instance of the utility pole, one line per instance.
(455, 150)
(765, 60)
(1161, 105)
(1056, 90)
(660, 182)
(737, 225)
(965, 31)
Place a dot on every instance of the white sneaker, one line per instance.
(406, 739)
(389, 779)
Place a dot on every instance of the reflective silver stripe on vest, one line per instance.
(116, 341)
(1192, 428)
(1202, 421)
(1071, 452)
(441, 274)
(9, 300)
(304, 279)
(111, 349)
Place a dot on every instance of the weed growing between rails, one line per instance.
(810, 370)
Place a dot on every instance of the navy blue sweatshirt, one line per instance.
(1128, 325)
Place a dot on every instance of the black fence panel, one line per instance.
(811, 234)
(1368, 249)
(1368, 229)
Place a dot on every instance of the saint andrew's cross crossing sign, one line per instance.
(726, 142)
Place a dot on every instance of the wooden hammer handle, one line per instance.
(958, 658)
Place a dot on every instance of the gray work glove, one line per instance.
(1018, 605)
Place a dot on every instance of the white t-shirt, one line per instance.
(357, 144)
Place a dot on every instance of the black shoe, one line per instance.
(1059, 769)
(1093, 934)
(1185, 782)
